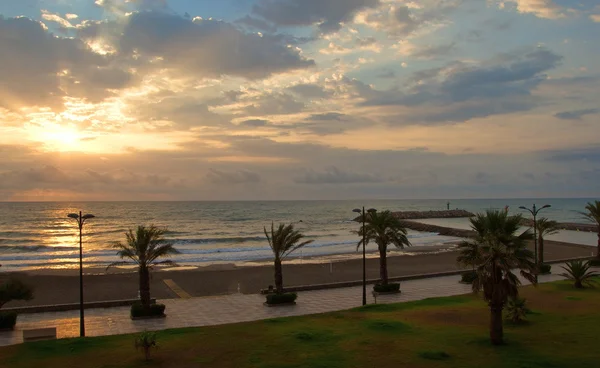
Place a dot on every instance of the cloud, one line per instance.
(327, 14)
(462, 91)
(309, 91)
(39, 69)
(576, 114)
(434, 52)
(273, 104)
(540, 8)
(197, 48)
(255, 123)
(255, 23)
(333, 175)
(64, 23)
(232, 177)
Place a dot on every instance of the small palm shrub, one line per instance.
(579, 272)
(516, 310)
(12, 289)
(8, 320)
(146, 341)
(468, 277)
(595, 262)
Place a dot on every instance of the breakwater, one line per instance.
(408, 215)
(442, 230)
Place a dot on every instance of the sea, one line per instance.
(39, 235)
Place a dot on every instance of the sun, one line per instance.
(60, 138)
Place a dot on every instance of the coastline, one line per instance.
(62, 286)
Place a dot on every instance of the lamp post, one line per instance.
(364, 289)
(80, 221)
(534, 211)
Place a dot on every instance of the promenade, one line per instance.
(216, 310)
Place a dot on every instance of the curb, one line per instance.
(73, 306)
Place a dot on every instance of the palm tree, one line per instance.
(544, 227)
(283, 241)
(579, 273)
(501, 251)
(384, 229)
(593, 214)
(144, 248)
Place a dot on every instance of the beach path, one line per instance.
(233, 308)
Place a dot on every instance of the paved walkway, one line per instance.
(206, 311)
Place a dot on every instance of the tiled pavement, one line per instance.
(205, 311)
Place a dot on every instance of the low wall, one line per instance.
(73, 306)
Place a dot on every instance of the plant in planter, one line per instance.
(544, 269)
(146, 341)
(12, 289)
(384, 229)
(144, 248)
(283, 241)
(579, 272)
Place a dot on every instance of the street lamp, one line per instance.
(534, 213)
(80, 221)
(364, 291)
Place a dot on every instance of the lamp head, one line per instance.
(523, 208)
(546, 206)
(73, 216)
(371, 210)
(88, 216)
(357, 210)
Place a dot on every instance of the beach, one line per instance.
(62, 286)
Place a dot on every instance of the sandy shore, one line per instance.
(62, 286)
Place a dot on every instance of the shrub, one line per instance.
(386, 288)
(146, 341)
(595, 262)
(545, 269)
(14, 289)
(579, 272)
(155, 310)
(8, 320)
(468, 277)
(281, 298)
(516, 310)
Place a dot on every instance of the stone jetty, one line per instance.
(412, 215)
(442, 230)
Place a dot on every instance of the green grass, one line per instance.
(441, 332)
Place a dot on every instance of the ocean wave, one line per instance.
(32, 248)
(235, 239)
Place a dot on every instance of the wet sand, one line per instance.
(62, 286)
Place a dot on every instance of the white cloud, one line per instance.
(540, 8)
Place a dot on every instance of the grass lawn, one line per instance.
(442, 332)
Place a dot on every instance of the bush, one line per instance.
(14, 289)
(516, 310)
(595, 262)
(281, 298)
(146, 341)
(386, 288)
(155, 310)
(468, 277)
(8, 320)
(545, 269)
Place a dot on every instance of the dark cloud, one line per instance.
(309, 91)
(588, 154)
(197, 48)
(333, 175)
(38, 68)
(328, 14)
(255, 23)
(255, 123)
(232, 177)
(274, 104)
(576, 114)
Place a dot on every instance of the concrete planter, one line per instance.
(279, 304)
(148, 317)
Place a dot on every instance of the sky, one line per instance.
(298, 99)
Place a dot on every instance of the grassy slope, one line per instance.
(443, 332)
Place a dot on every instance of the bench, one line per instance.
(39, 334)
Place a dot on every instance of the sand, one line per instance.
(62, 286)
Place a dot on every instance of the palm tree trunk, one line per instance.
(278, 276)
(598, 250)
(496, 327)
(541, 250)
(145, 286)
(383, 274)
